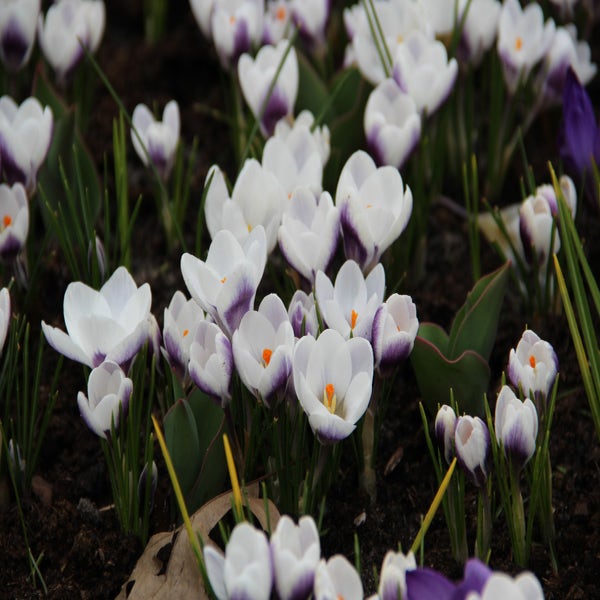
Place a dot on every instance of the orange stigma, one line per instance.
(329, 398)
(7, 221)
(532, 361)
(224, 280)
(232, 19)
(266, 356)
(281, 13)
(518, 43)
(185, 332)
(353, 317)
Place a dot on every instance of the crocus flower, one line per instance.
(211, 362)
(202, 11)
(257, 199)
(296, 550)
(349, 304)
(25, 136)
(294, 159)
(302, 313)
(392, 124)
(333, 379)
(5, 316)
(422, 70)
(225, 284)
(445, 424)
(523, 40)
(256, 78)
(516, 425)
(181, 318)
(109, 391)
(580, 134)
(311, 16)
(392, 578)
(236, 27)
(337, 578)
(156, 140)
(14, 220)
(18, 20)
(276, 23)
(395, 327)
(245, 571)
(479, 27)
(262, 349)
(472, 445)
(309, 232)
(524, 586)
(70, 26)
(375, 208)
(111, 324)
(532, 365)
(538, 232)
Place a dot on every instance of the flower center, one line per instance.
(329, 398)
(280, 14)
(532, 361)
(266, 356)
(232, 19)
(6, 221)
(224, 280)
(353, 318)
(518, 43)
(185, 332)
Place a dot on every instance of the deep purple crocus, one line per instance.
(580, 135)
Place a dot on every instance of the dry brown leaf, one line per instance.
(168, 569)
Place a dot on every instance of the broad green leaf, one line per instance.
(181, 436)
(475, 325)
(435, 334)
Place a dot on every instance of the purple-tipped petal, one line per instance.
(427, 584)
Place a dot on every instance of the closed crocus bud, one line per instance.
(211, 362)
(445, 423)
(14, 220)
(395, 327)
(296, 551)
(392, 124)
(5, 316)
(25, 136)
(516, 425)
(18, 20)
(472, 444)
(109, 391)
(256, 78)
(337, 578)
(156, 141)
(143, 482)
(537, 230)
(96, 253)
(532, 365)
(69, 25)
(392, 579)
(302, 313)
(246, 570)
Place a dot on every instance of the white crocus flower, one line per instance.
(181, 318)
(472, 445)
(511, 248)
(392, 579)
(309, 232)
(257, 199)
(256, 78)
(337, 578)
(302, 313)
(225, 284)
(236, 27)
(445, 424)
(5, 316)
(480, 27)
(109, 391)
(202, 11)
(245, 571)
(211, 362)
(532, 365)
(523, 40)
(349, 304)
(25, 136)
(500, 586)
(395, 327)
(69, 25)
(156, 140)
(538, 232)
(14, 220)
(516, 426)
(262, 349)
(295, 160)
(422, 69)
(374, 208)
(296, 551)
(333, 380)
(110, 324)
(392, 124)
(440, 14)
(18, 20)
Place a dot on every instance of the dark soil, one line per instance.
(71, 526)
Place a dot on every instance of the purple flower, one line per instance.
(580, 136)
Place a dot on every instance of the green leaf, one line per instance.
(312, 90)
(181, 436)
(476, 323)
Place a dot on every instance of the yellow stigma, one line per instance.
(185, 332)
(399, 39)
(532, 361)
(329, 398)
(518, 43)
(353, 317)
(249, 228)
(266, 356)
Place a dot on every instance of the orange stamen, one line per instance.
(266, 356)
(281, 13)
(518, 43)
(532, 361)
(224, 280)
(232, 19)
(185, 332)
(353, 317)
(7, 220)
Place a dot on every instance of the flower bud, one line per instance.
(445, 423)
(472, 444)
